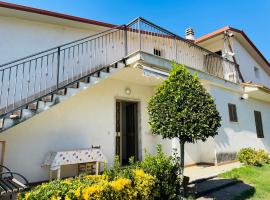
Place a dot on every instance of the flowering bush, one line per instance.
(140, 186)
(250, 156)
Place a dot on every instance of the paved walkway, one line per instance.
(205, 171)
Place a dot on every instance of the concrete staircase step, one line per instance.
(33, 106)
(74, 85)
(62, 92)
(16, 114)
(48, 98)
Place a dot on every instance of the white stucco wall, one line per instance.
(235, 135)
(247, 64)
(20, 37)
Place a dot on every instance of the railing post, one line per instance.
(58, 68)
(175, 44)
(139, 27)
(125, 40)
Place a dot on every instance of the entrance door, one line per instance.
(127, 130)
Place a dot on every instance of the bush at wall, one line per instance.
(250, 156)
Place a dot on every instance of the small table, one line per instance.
(56, 159)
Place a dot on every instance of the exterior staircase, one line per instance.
(33, 84)
(41, 104)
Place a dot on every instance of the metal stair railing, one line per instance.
(31, 78)
(25, 80)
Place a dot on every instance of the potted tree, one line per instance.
(181, 108)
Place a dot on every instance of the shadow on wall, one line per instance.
(223, 139)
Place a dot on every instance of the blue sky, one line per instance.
(203, 16)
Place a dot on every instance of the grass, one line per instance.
(258, 177)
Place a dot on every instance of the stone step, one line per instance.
(207, 186)
(230, 192)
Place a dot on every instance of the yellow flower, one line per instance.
(78, 193)
(67, 198)
(139, 172)
(55, 198)
(67, 181)
(27, 195)
(120, 184)
(95, 177)
(89, 191)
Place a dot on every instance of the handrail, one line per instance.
(59, 46)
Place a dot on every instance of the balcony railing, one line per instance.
(148, 37)
(28, 79)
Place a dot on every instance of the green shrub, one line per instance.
(263, 157)
(163, 168)
(250, 156)
(160, 166)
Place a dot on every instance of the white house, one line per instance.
(70, 83)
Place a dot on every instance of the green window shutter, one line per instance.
(258, 123)
(232, 112)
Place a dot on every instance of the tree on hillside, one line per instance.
(181, 108)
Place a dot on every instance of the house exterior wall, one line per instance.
(21, 37)
(236, 135)
(247, 64)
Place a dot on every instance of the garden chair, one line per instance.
(10, 185)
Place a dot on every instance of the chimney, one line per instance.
(189, 34)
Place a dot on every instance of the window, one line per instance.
(258, 123)
(257, 72)
(232, 112)
(157, 52)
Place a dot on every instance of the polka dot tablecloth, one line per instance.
(56, 159)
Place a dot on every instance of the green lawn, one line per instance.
(258, 177)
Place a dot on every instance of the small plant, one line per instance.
(164, 169)
(250, 156)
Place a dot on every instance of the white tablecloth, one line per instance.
(56, 159)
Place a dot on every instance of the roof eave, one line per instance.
(54, 14)
(226, 28)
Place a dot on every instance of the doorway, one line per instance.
(126, 130)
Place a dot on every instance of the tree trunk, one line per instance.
(181, 169)
(182, 159)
